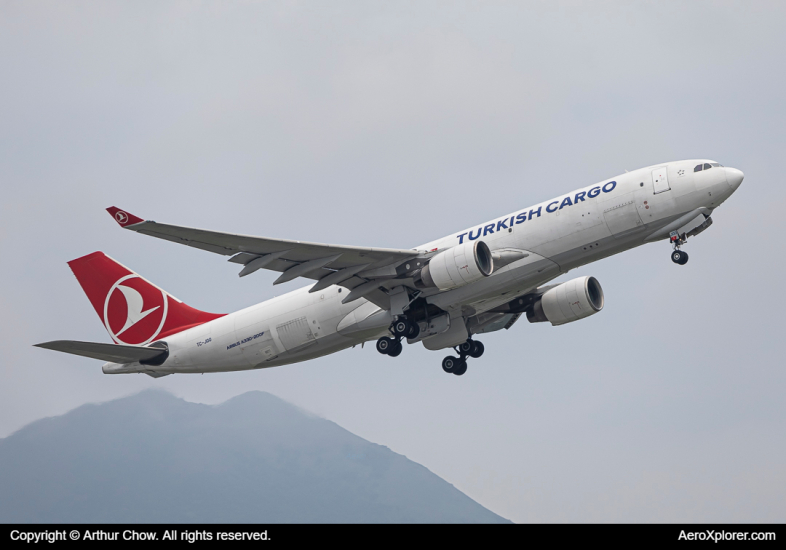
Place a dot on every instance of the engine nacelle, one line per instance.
(568, 302)
(458, 266)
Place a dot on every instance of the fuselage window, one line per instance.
(698, 168)
(707, 166)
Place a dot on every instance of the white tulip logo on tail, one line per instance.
(135, 310)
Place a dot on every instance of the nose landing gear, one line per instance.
(678, 256)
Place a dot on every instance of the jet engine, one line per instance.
(568, 302)
(458, 266)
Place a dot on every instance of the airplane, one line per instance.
(441, 294)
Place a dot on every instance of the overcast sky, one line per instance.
(391, 124)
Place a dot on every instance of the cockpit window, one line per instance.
(707, 166)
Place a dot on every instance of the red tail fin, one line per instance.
(133, 310)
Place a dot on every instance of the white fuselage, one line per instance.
(561, 234)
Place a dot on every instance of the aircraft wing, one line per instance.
(114, 353)
(347, 266)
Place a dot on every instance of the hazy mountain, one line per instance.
(155, 458)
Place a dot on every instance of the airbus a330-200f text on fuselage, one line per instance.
(443, 293)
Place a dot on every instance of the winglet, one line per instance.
(122, 217)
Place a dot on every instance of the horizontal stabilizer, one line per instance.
(114, 353)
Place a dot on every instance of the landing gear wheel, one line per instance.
(414, 330)
(401, 327)
(450, 364)
(679, 257)
(472, 348)
(467, 347)
(395, 351)
(461, 368)
(385, 345)
(684, 258)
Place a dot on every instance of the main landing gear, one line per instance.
(458, 365)
(404, 328)
(678, 256)
(389, 346)
(401, 328)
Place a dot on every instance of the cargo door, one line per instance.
(295, 334)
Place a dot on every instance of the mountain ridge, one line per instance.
(153, 457)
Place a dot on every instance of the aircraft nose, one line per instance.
(734, 177)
